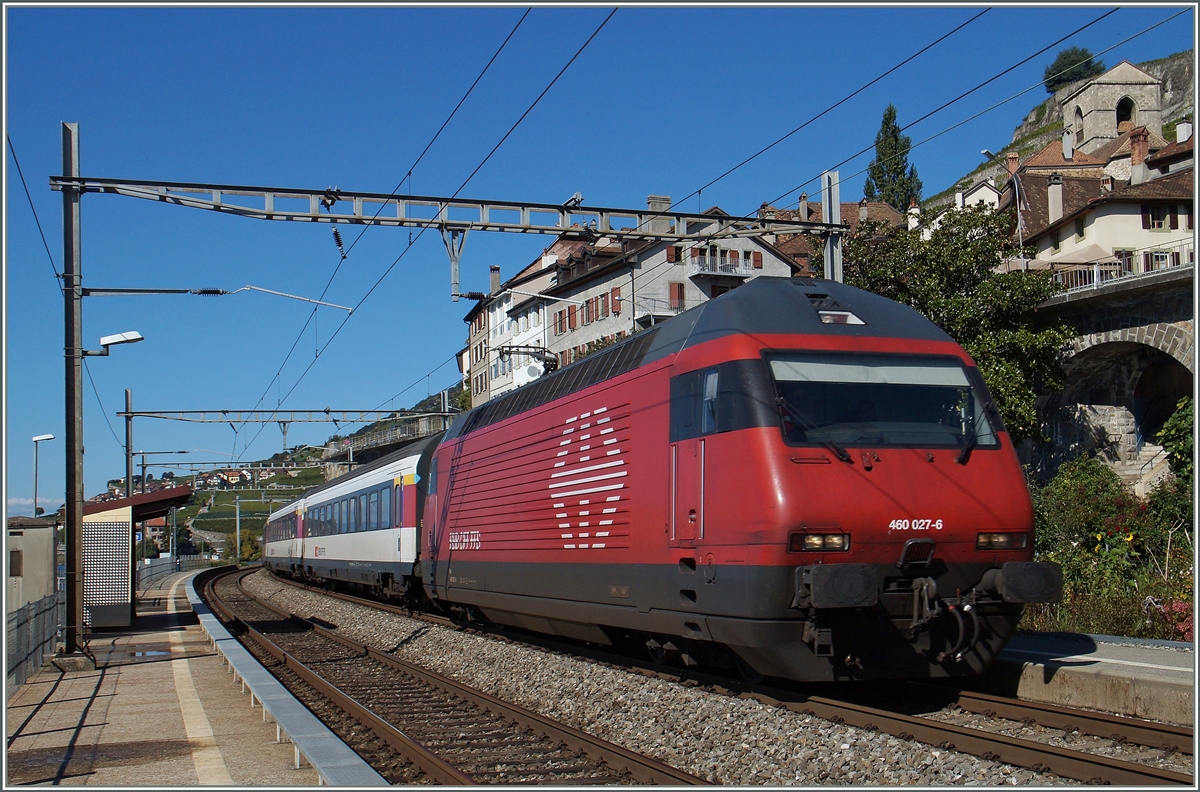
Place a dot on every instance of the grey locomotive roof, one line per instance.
(767, 305)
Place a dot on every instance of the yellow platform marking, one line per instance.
(206, 756)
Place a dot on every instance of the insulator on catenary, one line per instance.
(209, 292)
(337, 239)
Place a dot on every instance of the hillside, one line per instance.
(1043, 123)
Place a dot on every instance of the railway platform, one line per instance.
(160, 709)
(1125, 676)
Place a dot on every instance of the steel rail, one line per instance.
(1166, 736)
(641, 768)
(1040, 757)
(430, 763)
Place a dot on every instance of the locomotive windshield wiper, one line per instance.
(970, 440)
(804, 421)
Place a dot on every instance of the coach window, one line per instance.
(361, 521)
(373, 512)
(399, 501)
(385, 507)
(347, 516)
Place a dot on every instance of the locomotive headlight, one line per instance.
(799, 542)
(1001, 541)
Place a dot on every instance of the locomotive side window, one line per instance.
(735, 395)
(708, 410)
(879, 400)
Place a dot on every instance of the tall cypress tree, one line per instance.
(889, 177)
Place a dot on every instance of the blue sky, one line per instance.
(662, 101)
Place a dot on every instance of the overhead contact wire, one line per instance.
(829, 109)
(961, 96)
(456, 192)
(17, 162)
(394, 192)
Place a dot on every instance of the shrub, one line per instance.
(1126, 561)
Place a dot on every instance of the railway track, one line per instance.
(445, 732)
(984, 741)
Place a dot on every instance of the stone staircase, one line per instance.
(1145, 471)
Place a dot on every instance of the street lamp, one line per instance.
(1017, 194)
(37, 440)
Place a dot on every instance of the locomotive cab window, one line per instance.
(879, 400)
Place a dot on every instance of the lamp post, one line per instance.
(37, 440)
(1017, 195)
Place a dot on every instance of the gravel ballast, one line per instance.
(727, 740)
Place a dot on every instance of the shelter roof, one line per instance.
(144, 505)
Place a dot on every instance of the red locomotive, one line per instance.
(803, 476)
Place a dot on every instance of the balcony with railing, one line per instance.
(1135, 265)
(716, 266)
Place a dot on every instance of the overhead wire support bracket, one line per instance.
(275, 416)
(417, 211)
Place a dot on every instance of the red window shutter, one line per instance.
(616, 300)
(757, 260)
(1145, 215)
(733, 257)
(604, 304)
(572, 318)
(1174, 218)
(1146, 262)
(1187, 212)
(695, 253)
(676, 295)
(671, 254)
(1175, 258)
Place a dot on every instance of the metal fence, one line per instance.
(32, 636)
(153, 569)
(1095, 275)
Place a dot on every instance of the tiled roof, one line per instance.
(1172, 186)
(1051, 156)
(1120, 146)
(1036, 214)
(1177, 150)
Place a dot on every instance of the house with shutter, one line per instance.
(587, 291)
(610, 290)
(1089, 227)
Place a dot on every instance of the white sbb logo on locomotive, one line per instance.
(464, 540)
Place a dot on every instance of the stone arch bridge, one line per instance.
(1131, 362)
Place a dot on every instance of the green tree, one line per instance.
(1073, 63)
(1176, 438)
(889, 177)
(951, 279)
